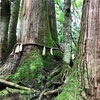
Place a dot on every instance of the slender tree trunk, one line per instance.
(4, 22)
(88, 51)
(52, 20)
(67, 40)
(13, 25)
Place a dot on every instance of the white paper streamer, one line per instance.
(17, 49)
(51, 51)
(21, 47)
(44, 51)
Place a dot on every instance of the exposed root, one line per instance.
(14, 85)
(58, 90)
(41, 94)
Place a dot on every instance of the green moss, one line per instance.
(3, 93)
(9, 94)
(48, 60)
(30, 68)
(58, 54)
(29, 72)
(50, 41)
(71, 90)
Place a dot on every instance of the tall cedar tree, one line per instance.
(88, 51)
(4, 22)
(13, 25)
(52, 20)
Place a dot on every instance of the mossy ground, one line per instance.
(15, 94)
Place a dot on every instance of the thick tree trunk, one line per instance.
(35, 24)
(88, 52)
(36, 29)
(52, 20)
(33, 63)
(13, 25)
(4, 22)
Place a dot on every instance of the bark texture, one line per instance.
(67, 40)
(34, 29)
(34, 22)
(13, 25)
(4, 22)
(52, 20)
(37, 58)
(89, 49)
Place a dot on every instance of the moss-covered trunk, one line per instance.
(35, 29)
(13, 25)
(52, 20)
(32, 65)
(67, 39)
(4, 22)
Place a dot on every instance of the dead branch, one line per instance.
(11, 84)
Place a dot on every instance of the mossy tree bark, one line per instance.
(67, 40)
(88, 55)
(34, 29)
(34, 23)
(34, 63)
(52, 20)
(13, 25)
(4, 22)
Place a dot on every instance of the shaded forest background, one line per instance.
(49, 50)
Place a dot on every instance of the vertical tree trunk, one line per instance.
(13, 25)
(88, 51)
(35, 25)
(52, 20)
(34, 29)
(67, 40)
(31, 65)
(4, 22)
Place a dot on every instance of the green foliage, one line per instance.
(76, 13)
(59, 5)
(61, 18)
(60, 1)
(76, 6)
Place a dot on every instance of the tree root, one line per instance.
(49, 92)
(58, 90)
(14, 85)
(41, 94)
